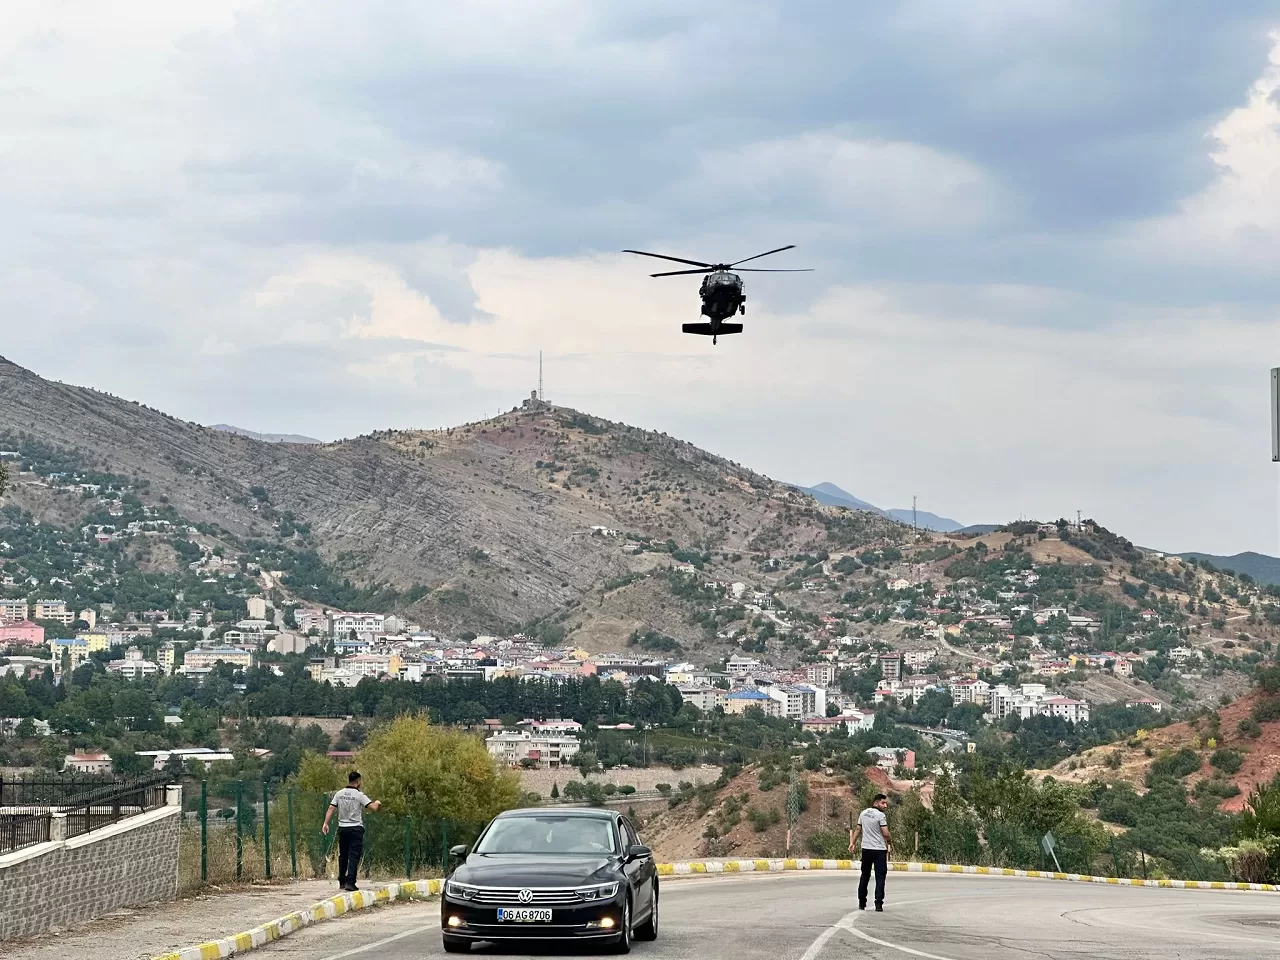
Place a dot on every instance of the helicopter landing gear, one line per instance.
(713, 339)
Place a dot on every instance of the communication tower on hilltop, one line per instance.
(540, 396)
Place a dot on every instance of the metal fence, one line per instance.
(40, 808)
(266, 831)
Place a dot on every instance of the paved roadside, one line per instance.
(159, 928)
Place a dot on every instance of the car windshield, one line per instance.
(583, 835)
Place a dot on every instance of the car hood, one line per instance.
(529, 870)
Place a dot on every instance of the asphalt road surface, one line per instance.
(799, 916)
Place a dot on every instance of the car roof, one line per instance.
(570, 812)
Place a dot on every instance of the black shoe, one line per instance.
(862, 906)
(879, 908)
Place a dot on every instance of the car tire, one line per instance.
(456, 945)
(623, 943)
(649, 929)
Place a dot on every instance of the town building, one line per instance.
(257, 608)
(365, 626)
(134, 666)
(206, 657)
(891, 666)
(740, 701)
(705, 698)
(821, 674)
(13, 610)
(514, 748)
(1151, 702)
(93, 763)
(21, 633)
(53, 610)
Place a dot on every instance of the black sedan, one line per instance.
(552, 874)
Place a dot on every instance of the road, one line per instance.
(814, 917)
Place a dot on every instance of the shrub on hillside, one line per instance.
(1267, 708)
(1177, 765)
(1249, 727)
(1228, 761)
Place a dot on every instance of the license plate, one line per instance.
(523, 915)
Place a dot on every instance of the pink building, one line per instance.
(23, 633)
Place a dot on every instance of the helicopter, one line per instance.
(721, 291)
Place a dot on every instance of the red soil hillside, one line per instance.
(1261, 755)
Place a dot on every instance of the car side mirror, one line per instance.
(458, 852)
(638, 851)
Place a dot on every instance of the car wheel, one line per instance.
(623, 943)
(454, 945)
(649, 929)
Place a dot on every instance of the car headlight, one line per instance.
(463, 891)
(598, 891)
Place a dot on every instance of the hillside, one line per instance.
(1261, 567)
(1228, 751)
(833, 496)
(491, 522)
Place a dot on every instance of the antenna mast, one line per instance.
(540, 396)
(914, 525)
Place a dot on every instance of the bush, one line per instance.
(758, 819)
(1249, 727)
(1177, 765)
(829, 844)
(1267, 708)
(1228, 761)
(663, 788)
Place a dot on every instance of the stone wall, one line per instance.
(51, 886)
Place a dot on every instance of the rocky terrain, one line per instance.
(496, 518)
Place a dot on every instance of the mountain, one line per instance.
(264, 437)
(1261, 567)
(499, 523)
(833, 496)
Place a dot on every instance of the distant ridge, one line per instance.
(1261, 567)
(264, 437)
(833, 496)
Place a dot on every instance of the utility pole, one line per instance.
(914, 525)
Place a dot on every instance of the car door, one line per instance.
(640, 873)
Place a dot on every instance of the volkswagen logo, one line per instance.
(525, 896)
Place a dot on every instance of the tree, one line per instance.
(555, 791)
(428, 772)
(4, 477)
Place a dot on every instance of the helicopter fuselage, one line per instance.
(722, 295)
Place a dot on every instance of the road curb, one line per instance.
(345, 903)
(693, 867)
(329, 909)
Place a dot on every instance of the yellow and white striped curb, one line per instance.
(324, 910)
(778, 866)
(419, 889)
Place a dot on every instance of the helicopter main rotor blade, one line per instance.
(789, 246)
(663, 256)
(767, 270)
(679, 273)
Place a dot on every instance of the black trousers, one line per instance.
(880, 860)
(350, 849)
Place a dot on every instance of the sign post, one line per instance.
(1047, 842)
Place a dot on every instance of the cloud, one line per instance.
(1039, 287)
(1235, 219)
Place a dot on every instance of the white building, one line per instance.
(363, 625)
(797, 701)
(856, 721)
(134, 666)
(257, 607)
(703, 697)
(821, 674)
(202, 657)
(1031, 701)
(919, 658)
(970, 691)
(512, 748)
(1075, 711)
(53, 610)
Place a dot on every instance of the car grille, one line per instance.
(543, 897)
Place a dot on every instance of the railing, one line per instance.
(42, 808)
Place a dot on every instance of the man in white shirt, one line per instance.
(350, 804)
(873, 829)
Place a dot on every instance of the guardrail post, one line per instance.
(266, 829)
(293, 843)
(239, 830)
(204, 832)
(408, 848)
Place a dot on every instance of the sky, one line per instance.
(1044, 233)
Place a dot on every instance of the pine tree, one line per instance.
(555, 791)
